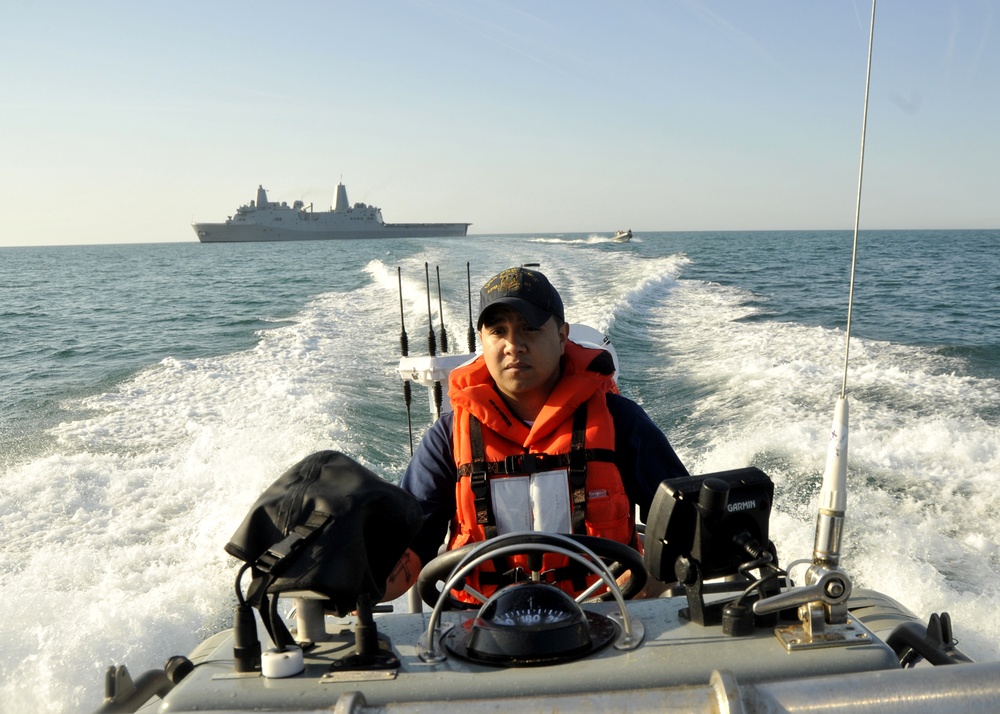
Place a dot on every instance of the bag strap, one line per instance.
(268, 568)
(274, 559)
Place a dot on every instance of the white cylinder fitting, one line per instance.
(275, 665)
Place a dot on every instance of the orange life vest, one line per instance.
(574, 431)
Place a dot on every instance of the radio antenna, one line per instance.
(857, 208)
(444, 332)
(833, 495)
(472, 332)
(431, 343)
(822, 601)
(404, 348)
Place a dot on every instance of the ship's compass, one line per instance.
(530, 623)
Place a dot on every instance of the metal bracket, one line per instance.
(797, 637)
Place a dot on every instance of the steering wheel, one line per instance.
(618, 556)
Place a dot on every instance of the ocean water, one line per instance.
(149, 393)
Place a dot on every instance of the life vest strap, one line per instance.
(578, 471)
(480, 470)
(479, 480)
(534, 463)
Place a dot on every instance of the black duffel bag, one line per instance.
(327, 525)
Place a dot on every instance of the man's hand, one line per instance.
(652, 588)
(403, 576)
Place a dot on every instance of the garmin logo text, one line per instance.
(742, 506)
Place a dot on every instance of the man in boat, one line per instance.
(539, 440)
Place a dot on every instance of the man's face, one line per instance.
(523, 361)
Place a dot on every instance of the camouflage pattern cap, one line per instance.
(527, 291)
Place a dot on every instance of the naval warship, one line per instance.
(264, 220)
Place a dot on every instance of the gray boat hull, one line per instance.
(230, 233)
(679, 666)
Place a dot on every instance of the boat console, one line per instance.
(719, 642)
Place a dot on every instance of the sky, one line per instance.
(124, 122)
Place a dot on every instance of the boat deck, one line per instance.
(676, 657)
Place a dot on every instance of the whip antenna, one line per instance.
(472, 332)
(444, 333)
(833, 495)
(857, 209)
(404, 348)
(431, 343)
(822, 600)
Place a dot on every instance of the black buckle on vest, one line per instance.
(480, 486)
(478, 483)
(521, 464)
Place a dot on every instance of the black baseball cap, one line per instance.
(527, 291)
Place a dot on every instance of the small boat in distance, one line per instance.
(264, 220)
(622, 236)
